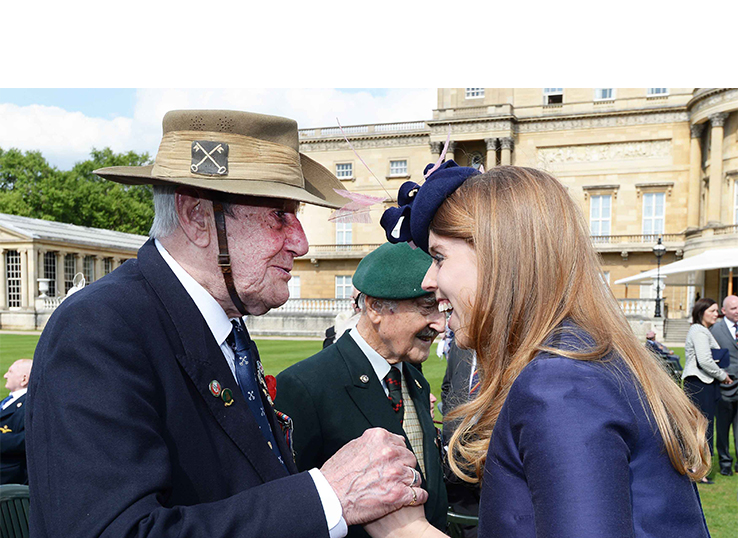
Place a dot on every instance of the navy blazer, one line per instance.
(334, 396)
(124, 436)
(13, 443)
(574, 454)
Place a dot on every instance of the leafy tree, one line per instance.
(32, 188)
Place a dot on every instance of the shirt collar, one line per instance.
(214, 315)
(730, 325)
(379, 364)
(18, 393)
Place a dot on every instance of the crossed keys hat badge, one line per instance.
(209, 158)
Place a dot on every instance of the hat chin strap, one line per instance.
(224, 259)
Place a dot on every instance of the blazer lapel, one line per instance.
(203, 361)
(369, 396)
(13, 407)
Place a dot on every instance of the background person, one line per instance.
(702, 376)
(726, 334)
(576, 430)
(13, 468)
(666, 355)
(148, 412)
(460, 384)
(368, 378)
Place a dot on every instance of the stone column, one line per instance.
(436, 148)
(491, 152)
(450, 151)
(24, 277)
(32, 276)
(60, 273)
(695, 169)
(506, 144)
(98, 267)
(3, 280)
(716, 168)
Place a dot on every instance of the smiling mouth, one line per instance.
(445, 308)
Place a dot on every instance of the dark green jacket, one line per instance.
(330, 405)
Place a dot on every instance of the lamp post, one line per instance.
(658, 250)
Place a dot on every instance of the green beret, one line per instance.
(393, 271)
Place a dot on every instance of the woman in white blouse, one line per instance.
(700, 370)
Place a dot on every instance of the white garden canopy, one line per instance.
(685, 272)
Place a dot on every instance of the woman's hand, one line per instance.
(408, 522)
(727, 380)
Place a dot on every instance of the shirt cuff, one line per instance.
(337, 527)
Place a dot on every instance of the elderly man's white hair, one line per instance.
(166, 220)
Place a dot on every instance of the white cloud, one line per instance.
(66, 137)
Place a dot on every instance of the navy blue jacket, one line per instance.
(13, 443)
(125, 438)
(575, 454)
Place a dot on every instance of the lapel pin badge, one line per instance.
(418, 384)
(227, 396)
(215, 388)
(364, 378)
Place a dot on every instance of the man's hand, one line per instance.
(372, 476)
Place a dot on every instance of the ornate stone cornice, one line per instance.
(696, 130)
(603, 152)
(708, 97)
(440, 128)
(416, 139)
(599, 121)
(718, 120)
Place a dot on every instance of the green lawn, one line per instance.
(718, 500)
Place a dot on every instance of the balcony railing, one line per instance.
(397, 127)
(639, 307)
(342, 249)
(638, 238)
(314, 306)
(725, 230)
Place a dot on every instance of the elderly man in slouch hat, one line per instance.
(368, 378)
(148, 412)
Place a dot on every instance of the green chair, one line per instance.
(456, 521)
(14, 503)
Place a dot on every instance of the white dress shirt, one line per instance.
(14, 396)
(731, 327)
(219, 324)
(379, 364)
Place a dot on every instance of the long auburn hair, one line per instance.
(536, 267)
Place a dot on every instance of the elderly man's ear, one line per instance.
(195, 216)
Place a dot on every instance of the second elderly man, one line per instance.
(368, 377)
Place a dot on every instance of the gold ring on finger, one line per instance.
(415, 496)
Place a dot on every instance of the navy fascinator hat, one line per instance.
(418, 203)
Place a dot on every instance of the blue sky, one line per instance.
(65, 124)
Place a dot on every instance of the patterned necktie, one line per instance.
(6, 399)
(735, 326)
(241, 344)
(394, 385)
(474, 384)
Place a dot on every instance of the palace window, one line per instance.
(50, 271)
(553, 96)
(343, 234)
(88, 269)
(344, 171)
(604, 94)
(657, 92)
(600, 207)
(474, 93)
(13, 278)
(344, 287)
(70, 269)
(107, 266)
(398, 168)
(653, 213)
(293, 286)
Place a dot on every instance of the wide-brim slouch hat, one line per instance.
(418, 203)
(393, 271)
(237, 153)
